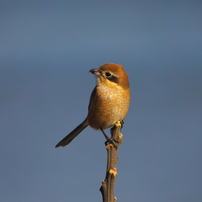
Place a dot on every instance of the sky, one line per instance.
(47, 49)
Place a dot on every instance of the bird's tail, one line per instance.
(66, 140)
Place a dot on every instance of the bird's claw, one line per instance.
(111, 141)
(122, 122)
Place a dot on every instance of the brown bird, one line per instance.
(109, 101)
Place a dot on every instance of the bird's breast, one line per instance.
(107, 106)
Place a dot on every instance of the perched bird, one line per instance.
(109, 101)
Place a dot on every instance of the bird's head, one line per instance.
(111, 74)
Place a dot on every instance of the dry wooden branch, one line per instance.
(107, 188)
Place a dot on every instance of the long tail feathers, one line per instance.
(66, 140)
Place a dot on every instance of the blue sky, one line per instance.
(46, 51)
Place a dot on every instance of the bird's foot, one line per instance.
(111, 141)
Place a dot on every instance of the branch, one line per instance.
(107, 188)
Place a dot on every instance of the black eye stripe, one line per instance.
(113, 79)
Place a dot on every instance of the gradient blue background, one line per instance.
(46, 51)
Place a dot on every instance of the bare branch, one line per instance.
(107, 188)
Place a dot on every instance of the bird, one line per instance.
(109, 101)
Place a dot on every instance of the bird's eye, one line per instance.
(108, 74)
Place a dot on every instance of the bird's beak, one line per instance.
(95, 72)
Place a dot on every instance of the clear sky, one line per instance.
(46, 51)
